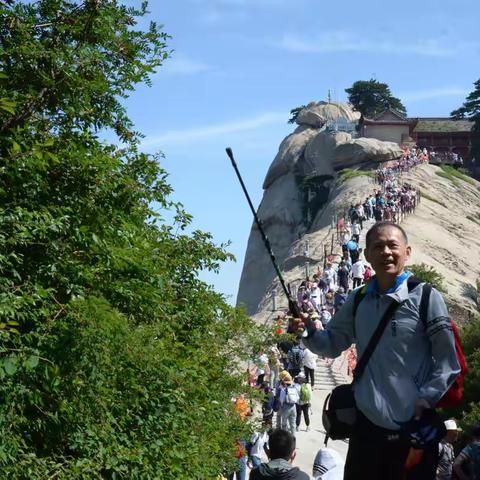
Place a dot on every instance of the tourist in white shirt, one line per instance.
(358, 269)
(309, 365)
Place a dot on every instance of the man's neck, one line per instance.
(386, 283)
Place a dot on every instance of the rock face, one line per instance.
(361, 150)
(303, 193)
(291, 200)
(291, 149)
(317, 114)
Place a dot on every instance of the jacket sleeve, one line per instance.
(338, 334)
(445, 363)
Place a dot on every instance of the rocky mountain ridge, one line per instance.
(304, 192)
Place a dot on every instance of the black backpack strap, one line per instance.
(372, 344)
(427, 290)
(359, 296)
(414, 282)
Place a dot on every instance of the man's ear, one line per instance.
(292, 456)
(366, 255)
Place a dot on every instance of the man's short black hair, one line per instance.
(281, 444)
(379, 226)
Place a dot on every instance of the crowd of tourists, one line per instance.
(391, 408)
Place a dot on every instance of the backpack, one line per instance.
(292, 395)
(305, 394)
(454, 394)
(296, 358)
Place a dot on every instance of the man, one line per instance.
(358, 269)
(281, 453)
(295, 359)
(309, 365)
(469, 455)
(343, 274)
(339, 299)
(446, 455)
(352, 247)
(411, 367)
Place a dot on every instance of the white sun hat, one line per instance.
(451, 425)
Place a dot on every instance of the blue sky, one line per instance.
(239, 66)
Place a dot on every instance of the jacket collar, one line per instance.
(398, 292)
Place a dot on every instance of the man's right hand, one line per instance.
(305, 323)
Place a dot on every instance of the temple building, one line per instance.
(389, 126)
(441, 134)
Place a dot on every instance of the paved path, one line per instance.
(308, 443)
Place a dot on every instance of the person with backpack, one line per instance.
(295, 359)
(286, 398)
(304, 400)
(411, 364)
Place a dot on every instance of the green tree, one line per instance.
(370, 98)
(294, 113)
(471, 110)
(116, 361)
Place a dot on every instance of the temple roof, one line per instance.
(442, 125)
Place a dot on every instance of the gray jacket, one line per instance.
(408, 363)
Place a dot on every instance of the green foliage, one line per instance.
(452, 174)
(348, 173)
(294, 113)
(428, 274)
(370, 98)
(471, 110)
(116, 361)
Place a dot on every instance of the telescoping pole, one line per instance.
(293, 306)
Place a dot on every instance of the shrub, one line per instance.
(348, 173)
(428, 274)
(116, 361)
(452, 174)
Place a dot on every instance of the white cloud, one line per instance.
(210, 131)
(184, 66)
(420, 95)
(344, 41)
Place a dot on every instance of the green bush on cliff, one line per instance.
(428, 274)
(116, 361)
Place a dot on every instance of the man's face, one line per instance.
(452, 436)
(388, 252)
